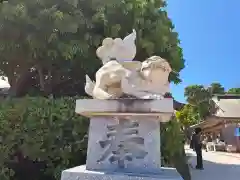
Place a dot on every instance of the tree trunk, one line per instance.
(45, 83)
(18, 87)
(41, 78)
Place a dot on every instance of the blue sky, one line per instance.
(209, 31)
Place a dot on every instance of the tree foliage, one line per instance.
(216, 88)
(40, 137)
(188, 116)
(234, 91)
(196, 94)
(172, 147)
(201, 98)
(200, 103)
(48, 44)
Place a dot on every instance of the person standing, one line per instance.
(197, 146)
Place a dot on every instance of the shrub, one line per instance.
(40, 137)
(172, 148)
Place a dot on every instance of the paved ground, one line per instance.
(217, 166)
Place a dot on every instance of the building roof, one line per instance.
(227, 96)
(228, 107)
(228, 111)
(177, 105)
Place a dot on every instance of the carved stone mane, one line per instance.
(118, 78)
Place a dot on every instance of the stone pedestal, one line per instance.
(124, 140)
(81, 173)
(137, 141)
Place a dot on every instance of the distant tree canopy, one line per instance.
(48, 46)
(216, 88)
(200, 104)
(234, 91)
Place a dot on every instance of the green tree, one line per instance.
(187, 116)
(201, 98)
(196, 94)
(40, 137)
(35, 37)
(216, 88)
(50, 44)
(172, 147)
(234, 91)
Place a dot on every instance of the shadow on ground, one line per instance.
(213, 170)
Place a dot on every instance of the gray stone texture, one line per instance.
(149, 129)
(137, 107)
(80, 173)
(124, 140)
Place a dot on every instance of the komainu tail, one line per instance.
(89, 86)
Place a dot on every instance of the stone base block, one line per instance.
(148, 159)
(80, 173)
(161, 109)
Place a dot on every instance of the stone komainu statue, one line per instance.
(121, 76)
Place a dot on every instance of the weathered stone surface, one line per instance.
(132, 145)
(121, 75)
(124, 134)
(80, 173)
(162, 109)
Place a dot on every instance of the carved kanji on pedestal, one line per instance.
(122, 143)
